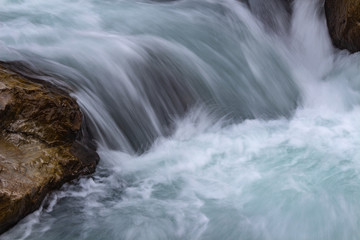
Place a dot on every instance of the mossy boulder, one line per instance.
(343, 20)
(43, 144)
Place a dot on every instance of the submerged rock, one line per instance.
(343, 19)
(43, 144)
(275, 14)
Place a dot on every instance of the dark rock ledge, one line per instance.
(43, 144)
(343, 20)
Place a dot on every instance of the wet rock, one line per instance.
(343, 20)
(43, 144)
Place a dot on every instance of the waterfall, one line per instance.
(213, 119)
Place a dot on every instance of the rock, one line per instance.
(343, 20)
(43, 144)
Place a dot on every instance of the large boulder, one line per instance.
(43, 144)
(343, 19)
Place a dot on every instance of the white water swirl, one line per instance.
(213, 121)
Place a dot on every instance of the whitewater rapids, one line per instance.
(214, 119)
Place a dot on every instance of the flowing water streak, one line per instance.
(185, 74)
(142, 69)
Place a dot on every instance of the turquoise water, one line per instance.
(211, 123)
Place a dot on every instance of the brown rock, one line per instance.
(343, 19)
(43, 144)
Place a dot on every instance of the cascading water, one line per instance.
(214, 119)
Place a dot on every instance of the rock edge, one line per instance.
(44, 142)
(343, 20)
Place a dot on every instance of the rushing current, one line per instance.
(214, 119)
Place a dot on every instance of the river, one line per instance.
(213, 120)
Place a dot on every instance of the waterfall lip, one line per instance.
(157, 93)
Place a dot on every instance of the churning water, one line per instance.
(215, 119)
